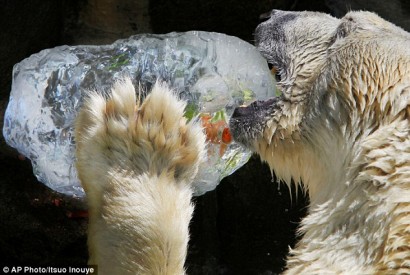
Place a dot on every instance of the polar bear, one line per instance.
(136, 162)
(342, 128)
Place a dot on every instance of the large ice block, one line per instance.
(213, 72)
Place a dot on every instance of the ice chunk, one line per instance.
(213, 72)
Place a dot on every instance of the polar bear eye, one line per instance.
(275, 72)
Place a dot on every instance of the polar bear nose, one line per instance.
(241, 112)
(254, 107)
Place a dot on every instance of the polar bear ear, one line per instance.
(346, 26)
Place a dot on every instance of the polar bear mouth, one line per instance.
(248, 122)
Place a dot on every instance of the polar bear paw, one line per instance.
(123, 134)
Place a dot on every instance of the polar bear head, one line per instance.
(345, 87)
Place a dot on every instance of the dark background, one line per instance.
(243, 227)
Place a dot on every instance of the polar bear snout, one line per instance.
(247, 122)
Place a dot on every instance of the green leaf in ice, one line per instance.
(247, 94)
(191, 111)
(220, 115)
(118, 61)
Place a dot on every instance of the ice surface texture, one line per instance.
(213, 72)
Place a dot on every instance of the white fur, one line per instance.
(348, 141)
(341, 127)
(136, 163)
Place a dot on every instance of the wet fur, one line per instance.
(136, 162)
(342, 128)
